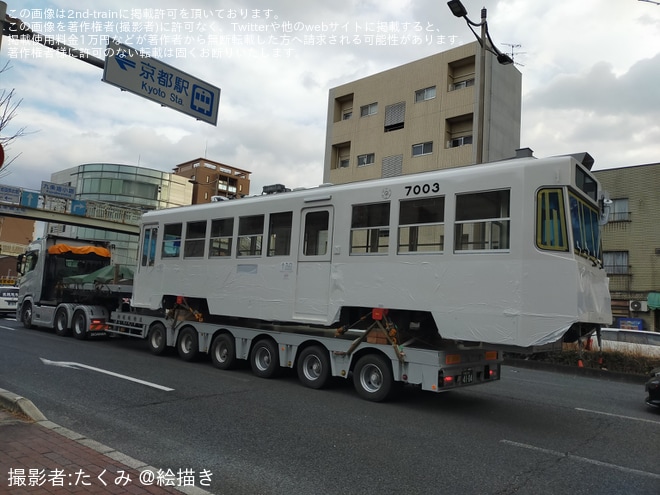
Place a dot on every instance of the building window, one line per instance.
(250, 235)
(367, 159)
(459, 141)
(422, 149)
(619, 211)
(395, 116)
(370, 228)
(421, 225)
(459, 131)
(347, 114)
(616, 262)
(482, 221)
(279, 234)
(371, 109)
(222, 230)
(462, 84)
(341, 155)
(425, 94)
(195, 237)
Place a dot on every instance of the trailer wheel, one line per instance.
(61, 323)
(80, 325)
(157, 339)
(264, 359)
(223, 352)
(372, 377)
(313, 367)
(26, 315)
(188, 345)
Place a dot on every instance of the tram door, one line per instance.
(149, 274)
(314, 260)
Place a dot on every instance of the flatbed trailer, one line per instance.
(373, 356)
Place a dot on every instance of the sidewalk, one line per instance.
(38, 456)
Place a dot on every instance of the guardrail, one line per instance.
(113, 213)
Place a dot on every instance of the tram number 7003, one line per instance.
(418, 189)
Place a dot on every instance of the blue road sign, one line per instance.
(144, 76)
(78, 207)
(9, 194)
(57, 190)
(30, 199)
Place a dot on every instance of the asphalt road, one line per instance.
(534, 432)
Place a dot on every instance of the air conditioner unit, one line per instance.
(638, 306)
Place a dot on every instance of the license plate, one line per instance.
(468, 376)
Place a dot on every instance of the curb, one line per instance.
(20, 405)
(574, 370)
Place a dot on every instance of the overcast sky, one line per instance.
(591, 72)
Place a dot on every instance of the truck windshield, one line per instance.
(586, 232)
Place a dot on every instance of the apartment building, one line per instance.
(211, 179)
(631, 245)
(421, 116)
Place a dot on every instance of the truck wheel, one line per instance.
(264, 359)
(61, 323)
(80, 325)
(26, 315)
(157, 339)
(188, 345)
(372, 377)
(223, 352)
(313, 367)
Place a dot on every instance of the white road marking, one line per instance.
(581, 459)
(66, 364)
(632, 418)
(8, 328)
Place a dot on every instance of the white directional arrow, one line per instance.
(78, 366)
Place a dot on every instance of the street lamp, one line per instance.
(486, 44)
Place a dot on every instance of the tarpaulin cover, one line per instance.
(65, 248)
(103, 276)
(653, 300)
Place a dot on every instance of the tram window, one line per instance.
(586, 234)
(171, 240)
(222, 231)
(279, 234)
(482, 221)
(370, 228)
(195, 237)
(421, 225)
(316, 233)
(250, 235)
(551, 220)
(149, 246)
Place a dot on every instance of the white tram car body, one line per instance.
(504, 253)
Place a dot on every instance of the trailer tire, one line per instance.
(372, 377)
(26, 315)
(80, 325)
(223, 352)
(313, 367)
(157, 339)
(264, 359)
(61, 323)
(188, 344)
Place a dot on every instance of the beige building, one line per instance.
(211, 178)
(15, 235)
(631, 244)
(421, 116)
